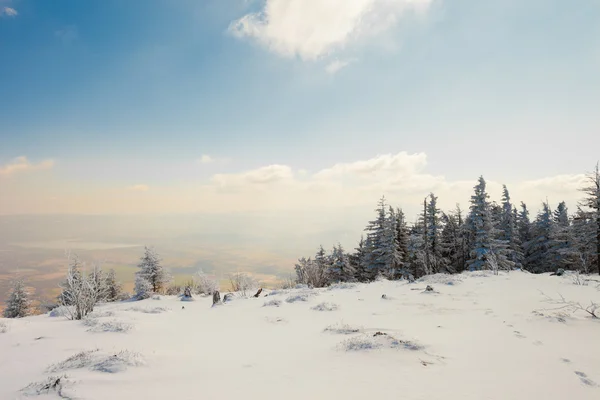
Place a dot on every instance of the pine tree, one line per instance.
(487, 252)
(562, 248)
(402, 242)
(433, 230)
(583, 234)
(453, 241)
(508, 229)
(592, 206)
(151, 269)
(538, 248)
(524, 232)
(114, 288)
(377, 261)
(18, 304)
(74, 279)
(340, 269)
(142, 287)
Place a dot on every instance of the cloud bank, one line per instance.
(314, 29)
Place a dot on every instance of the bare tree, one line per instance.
(574, 306)
(80, 292)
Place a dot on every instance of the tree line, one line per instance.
(489, 236)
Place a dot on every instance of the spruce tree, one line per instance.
(113, 287)
(377, 260)
(538, 248)
(591, 204)
(151, 270)
(18, 304)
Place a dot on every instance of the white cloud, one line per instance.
(312, 29)
(139, 188)
(399, 166)
(8, 11)
(22, 164)
(261, 176)
(335, 66)
(205, 159)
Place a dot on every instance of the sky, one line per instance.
(293, 106)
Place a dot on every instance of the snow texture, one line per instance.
(492, 337)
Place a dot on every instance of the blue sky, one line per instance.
(128, 95)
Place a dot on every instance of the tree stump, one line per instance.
(216, 298)
(258, 293)
(429, 288)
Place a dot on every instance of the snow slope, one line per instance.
(480, 337)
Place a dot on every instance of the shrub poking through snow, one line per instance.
(3, 327)
(272, 303)
(52, 384)
(107, 326)
(149, 310)
(97, 361)
(342, 285)
(118, 362)
(299, 297)
(441, 279)
(82, 359)
(325, 307)
(378, 340)
(342, 329)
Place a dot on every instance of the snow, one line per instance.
(480, 336)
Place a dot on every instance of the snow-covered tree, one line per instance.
(80, 293)
(433, 230)
(97, 279)
(203, 284)
(18, 304)
(402, 242)
(243, 283)
(114, 289)
(142, 287)
(591, 205)
(538, 248)
(74, 275)
(453, 242)
(151, 269)
(583, 231)
(378, 235)
(340, 268)
(508, 231)
(311, 272)
(487, 252)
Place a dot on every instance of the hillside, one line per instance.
(477, 336)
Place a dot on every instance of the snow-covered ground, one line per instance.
(476, 337)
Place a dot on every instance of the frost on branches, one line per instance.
(18, 304)
(152, 277)
(80, 292)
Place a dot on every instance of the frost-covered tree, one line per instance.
(402, 242)
(359, 260)
(507, 229)
(524, 231)
(487, 252)
(98, 281)
(378, 230)
(75, 275)
(433, 230)
(538, 248)
(562, 243)
(203, 284)
(114, 289)
(309, 272)
(151, 269)
(142, 287)
(80, 293)
(243, 283)
(583, 231)
(18, 304)
(591, 206)
(340, 269)
(453, 241)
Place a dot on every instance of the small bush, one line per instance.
(80, 360)
(55, 384)
(149, 310)
(107, 326)
(378, 340)
(342, 329)
(325, 307)
(298, 297)
(3, 326)
(272, 303)
(342, 285)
